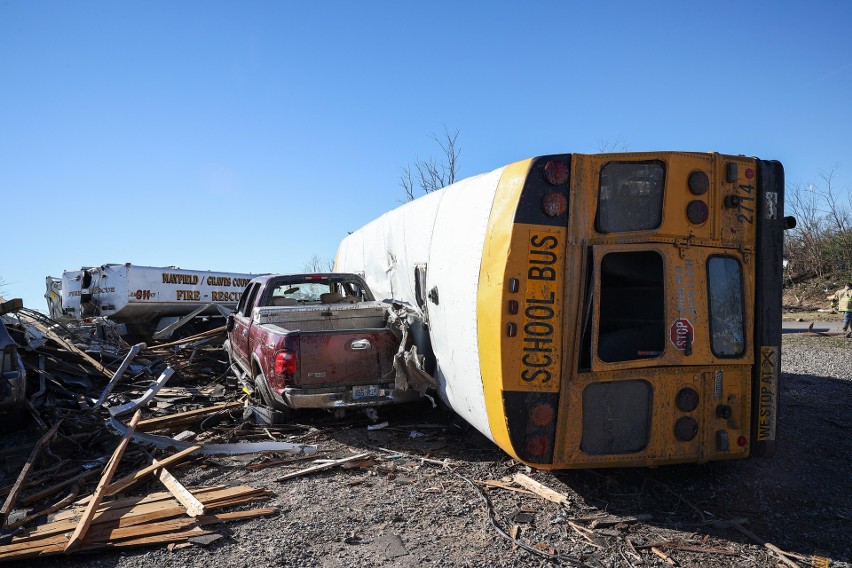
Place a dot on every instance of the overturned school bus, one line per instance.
(151, 302)
(597, 310)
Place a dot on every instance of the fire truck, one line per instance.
(148, 302)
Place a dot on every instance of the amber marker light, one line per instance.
(542, 414)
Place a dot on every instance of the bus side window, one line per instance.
(727, 307)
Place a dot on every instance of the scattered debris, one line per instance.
(83, 378)
(539, 489)
(154, 519)
(85, 382)
(324, 466)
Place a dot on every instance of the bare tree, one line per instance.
(837, 214)
(429, 175)
(821, 243)
(610, 146)
(803, 244)
(318, 263)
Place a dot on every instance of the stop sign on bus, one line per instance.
(681, 333)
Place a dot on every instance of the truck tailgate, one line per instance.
(346, 357)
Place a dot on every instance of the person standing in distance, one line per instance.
(843, 298)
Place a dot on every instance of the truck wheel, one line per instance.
(265, 395)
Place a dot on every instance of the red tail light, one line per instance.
(556, 172)
(285, 364)
(531, 418)
(554, 204)
(537, 445)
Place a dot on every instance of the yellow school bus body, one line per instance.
(548, 398)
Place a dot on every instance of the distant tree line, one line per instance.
(820, 246)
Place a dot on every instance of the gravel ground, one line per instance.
(403, 512)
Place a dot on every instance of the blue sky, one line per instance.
(248, 136)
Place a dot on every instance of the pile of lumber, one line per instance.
(83, 378)
(157, 518)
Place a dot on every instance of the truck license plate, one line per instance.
(365, 391)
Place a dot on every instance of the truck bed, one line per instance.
(324, 317)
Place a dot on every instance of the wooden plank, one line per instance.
(61, 504)
(782, 555)
(57, 545)
(194, 507)
(182, 417)
(130, 480)
(155, 539)
(45, 493)
(130, 505)
(177, 510)
(324, 466)
(154, 533)
(496, 484)
(111, 534)
(88, 514)
(126, 515)
(190, 339)
(675, 545)
(663, 555)
(70, 347)
(12, 498)
(540, 489)
(110, 537)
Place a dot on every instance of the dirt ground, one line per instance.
(397, 509)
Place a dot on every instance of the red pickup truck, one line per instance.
(314, 341)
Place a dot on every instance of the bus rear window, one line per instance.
(725, 292)
(630, 196)
(632, 307)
